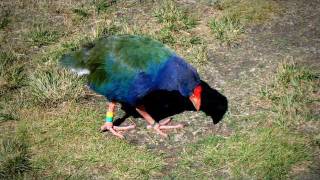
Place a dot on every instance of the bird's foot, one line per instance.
(116, 130)
(162, 125)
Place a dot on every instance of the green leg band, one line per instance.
(108, 119)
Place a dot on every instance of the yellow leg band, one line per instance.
(109, 114)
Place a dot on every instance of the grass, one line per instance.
(173, 20)
(11, 71)
(292, 93)
(199, 54)
(4, 19)
(14, 157)
(7, 59)
(264, 153)
(103, 6)
(109, 30)
(235, 15)
(7, 117)
(56, 138)
(173, 17)
(249, 11)
(195, 40)
(42, 36)
(81, 12)
(166, 36)
(227, 29)
(52, 85)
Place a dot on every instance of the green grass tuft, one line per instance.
(172, 17)
(291, 75)
(173, 20)
(103, 5)
(292, 93)
(199, 54)
(248, 11)
(111, 30)
(52, 85)
(6, 60)
(226, 29)
(14, 157)
(166, 36)
(4, 19)
(7, 117)
(11, 71)
(43, 36)
(194, 40)
(81, 12)
(235, 15)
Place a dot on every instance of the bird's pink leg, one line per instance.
(156, 126)
(114, 129)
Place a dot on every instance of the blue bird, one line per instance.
(126, 68)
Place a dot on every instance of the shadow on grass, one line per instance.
(162, 104)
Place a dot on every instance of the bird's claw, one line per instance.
(162, 125)
(115, 130)
(156, 127)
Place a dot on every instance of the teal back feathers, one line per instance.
(117, 54)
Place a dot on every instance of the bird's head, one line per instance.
(195, 97)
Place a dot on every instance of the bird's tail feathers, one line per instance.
(76, 65)
(69, 61)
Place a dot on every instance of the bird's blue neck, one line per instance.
(176, 74)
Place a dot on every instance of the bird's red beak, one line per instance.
(195, 97)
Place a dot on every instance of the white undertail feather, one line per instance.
(80, 71)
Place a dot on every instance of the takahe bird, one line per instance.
(126, 68)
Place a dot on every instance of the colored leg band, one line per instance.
(108, 119)
(109, 116)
